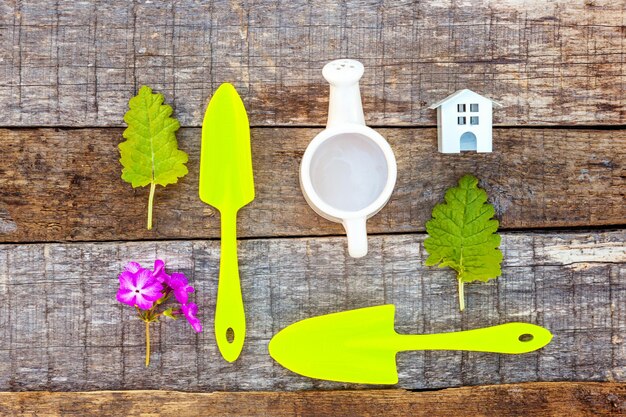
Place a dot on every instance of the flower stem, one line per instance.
(147, 343)
(461, 296)
(150, 203)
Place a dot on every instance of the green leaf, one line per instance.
(150, 154)
(462, 235)
(170, 314)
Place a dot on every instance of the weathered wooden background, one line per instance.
(68, 223)
(68, 63)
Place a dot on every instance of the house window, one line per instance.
(474, 107)
(461, 120)
(460, 108)
(473, 120)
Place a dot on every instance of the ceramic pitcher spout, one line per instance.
(344, 105)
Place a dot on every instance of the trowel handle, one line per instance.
(230, 319)
(504, 338)
(344, 104)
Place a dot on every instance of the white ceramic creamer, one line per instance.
(348, 171)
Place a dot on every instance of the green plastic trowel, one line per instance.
(226, 183)
(360, 346)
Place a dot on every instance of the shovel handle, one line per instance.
(504, 338)
(230, 319)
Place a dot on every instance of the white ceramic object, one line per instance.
(464, 121)
(348, 171)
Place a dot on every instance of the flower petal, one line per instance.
(189, 310)
(142, 303)
(184, 309)
(126, 296)
(153, 285)
(159, 272)
(177, 280)
(145, 278)
(159, 266)
(152, 296)
(163, 278)
(181, 295)
(126, 280)
(133, 279)
(196, 325)
(132, 267)
(152, 292)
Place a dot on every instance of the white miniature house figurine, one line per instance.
(464, 122)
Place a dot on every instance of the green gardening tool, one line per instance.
(360, 346)
(226, 183)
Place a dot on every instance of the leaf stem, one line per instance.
(150, 203)
(147, 343)
(461, 295)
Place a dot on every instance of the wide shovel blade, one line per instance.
(360, 346)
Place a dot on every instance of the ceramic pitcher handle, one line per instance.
(344, 105)
(357, 237)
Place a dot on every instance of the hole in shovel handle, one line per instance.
(526, 337)
(230, 335)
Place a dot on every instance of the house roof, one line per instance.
(458, 93)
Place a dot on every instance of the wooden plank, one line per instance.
(537, 399)
(58, 185)
(78, 63)
(62, 329)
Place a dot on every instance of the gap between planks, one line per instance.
(535, 231)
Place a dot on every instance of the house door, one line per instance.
(468, 141)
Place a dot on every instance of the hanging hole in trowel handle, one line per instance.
(230, 335)
(526, 337)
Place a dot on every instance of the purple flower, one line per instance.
(180, 286)
(138, 287)
(190, 310)
(159, 272)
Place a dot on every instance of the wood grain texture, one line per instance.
(67, 63)
(532, 399)
(62, 329)
(64, 185)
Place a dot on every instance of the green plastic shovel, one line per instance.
(360, 346)
(226, 183)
